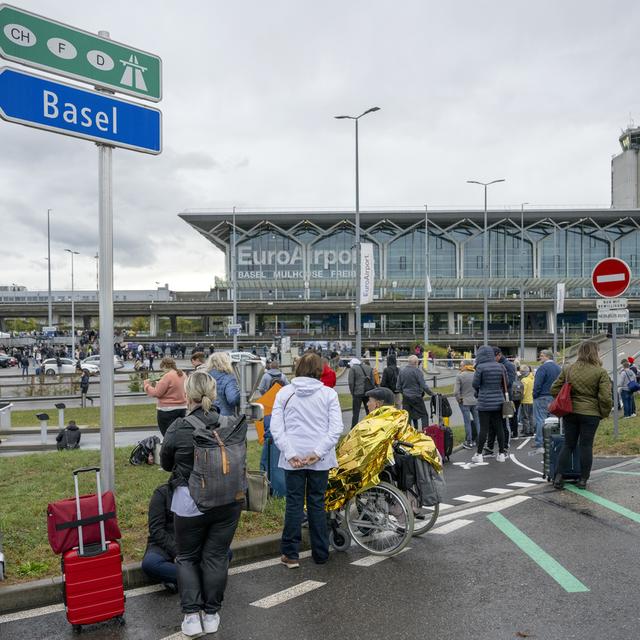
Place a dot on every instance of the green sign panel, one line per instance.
(58, 48)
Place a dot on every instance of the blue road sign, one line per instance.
(38, 102)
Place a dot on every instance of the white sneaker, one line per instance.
(210, 622)
(540, 450)
(477, 458)
(191, 625)
(501, 457)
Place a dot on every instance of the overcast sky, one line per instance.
(536, 93)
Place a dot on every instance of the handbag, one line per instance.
(562, 405)
(508, 408)
(257, 491)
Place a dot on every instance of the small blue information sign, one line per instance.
(38, 102)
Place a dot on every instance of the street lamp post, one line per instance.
(522, 263)
(357, 239)
(73, 312)
(485, 260)
(234, 282)
(427, 273)
(49, 303)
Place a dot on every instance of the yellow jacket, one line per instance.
(527, 396)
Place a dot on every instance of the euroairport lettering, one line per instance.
(70, 112)
(326, 257)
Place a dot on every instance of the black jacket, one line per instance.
(68, 438)
(390, 378)
(161, 533)
(488, 380)
(176, 454)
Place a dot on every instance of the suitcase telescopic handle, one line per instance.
(85, 470)
(103, 539)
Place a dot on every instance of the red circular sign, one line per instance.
(611, 277)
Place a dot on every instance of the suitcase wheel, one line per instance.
(77, 628)
(121, 621)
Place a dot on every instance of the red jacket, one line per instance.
(328, 377)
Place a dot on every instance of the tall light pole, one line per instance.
(358, 313)
(49, 303)
(97, 272)
(427, 273)
(234, 282)
(485, 260)
(73, 311)
(523, 255)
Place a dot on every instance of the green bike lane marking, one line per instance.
(623, 473)
(547, 563)
(613, 506)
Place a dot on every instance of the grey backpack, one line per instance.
(219, 474)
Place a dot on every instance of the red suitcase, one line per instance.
(437, 434)
(92, 575)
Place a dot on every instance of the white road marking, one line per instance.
(498, 491)
(523, 444)
(537, 479)
(55, 608)
(524, 466)
(263, 564)
(451, 526)
(442, 505)
(177, 636)
(469, 498)
(369, 561)
(521, 484)
(288, 594)
(469, 465)
(487, 507)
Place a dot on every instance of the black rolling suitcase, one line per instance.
(553, 435)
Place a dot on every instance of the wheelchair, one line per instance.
(382, 519)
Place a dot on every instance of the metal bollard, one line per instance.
(43, 417)
(61, 406)
(5, 414)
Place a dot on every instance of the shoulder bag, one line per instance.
(563, 405)
(508, 408)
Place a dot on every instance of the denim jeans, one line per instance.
(157, 566)
(311, 484)
(540, 414)
(469, 412)
(526, 414)
(579, 431)
(269, 463)
(627, 402)
(202, 543)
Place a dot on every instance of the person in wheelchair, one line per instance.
(379, 397)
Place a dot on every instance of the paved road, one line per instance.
(545, 564)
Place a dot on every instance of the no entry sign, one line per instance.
(610, 277)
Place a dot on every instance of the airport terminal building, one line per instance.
(298, 266)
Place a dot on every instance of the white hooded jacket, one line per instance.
(310, 423)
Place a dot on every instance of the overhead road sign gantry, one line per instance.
(58, 48)
(611, 277)
(34, 101)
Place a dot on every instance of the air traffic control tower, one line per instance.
(625, 171)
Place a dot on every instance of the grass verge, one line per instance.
(28, 483)
(627, 443)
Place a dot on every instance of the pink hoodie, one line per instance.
(169, 390)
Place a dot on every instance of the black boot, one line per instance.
(558, 482)
(582, 483)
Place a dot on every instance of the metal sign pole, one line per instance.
(105, 300)
(614, 376)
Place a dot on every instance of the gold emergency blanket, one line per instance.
(368, 448)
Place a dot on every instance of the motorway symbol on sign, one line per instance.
(612, 303)
(64, 50)
(613, 315)
(44, 104)
(611, 277)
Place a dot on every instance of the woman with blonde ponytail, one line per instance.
(202, 539)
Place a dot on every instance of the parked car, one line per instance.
(67, 366)
(117, 361)
(7, 361)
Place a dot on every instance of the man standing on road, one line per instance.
(412, 385)
(466, 397)
(24, 363)
(545, 376)
(360, 381)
